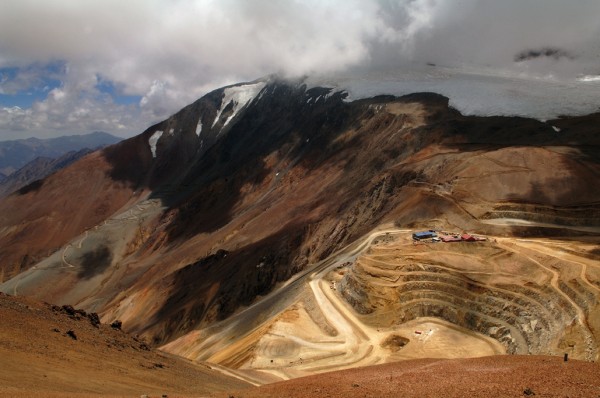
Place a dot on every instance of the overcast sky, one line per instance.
(72, 67)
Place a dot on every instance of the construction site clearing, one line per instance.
(444, 236)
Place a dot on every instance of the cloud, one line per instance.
(77, 105)
(170, 52)
(25, 79)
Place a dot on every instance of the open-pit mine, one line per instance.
(391, 298)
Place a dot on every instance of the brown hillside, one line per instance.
(41, 217)
(61, 352)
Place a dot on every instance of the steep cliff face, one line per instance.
(205, 211)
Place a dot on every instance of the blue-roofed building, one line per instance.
(424, 235)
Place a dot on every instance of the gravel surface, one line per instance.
(496, 376)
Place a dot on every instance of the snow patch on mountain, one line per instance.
(331, 93)
(199, 128)
(240, 96)
(153, 140)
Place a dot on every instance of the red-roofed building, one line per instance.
(467, 238)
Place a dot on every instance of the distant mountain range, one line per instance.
(28, 160)
(37, 169)
(17, 153)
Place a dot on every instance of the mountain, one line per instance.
(268, 226)
(37, 169)
(17, 153)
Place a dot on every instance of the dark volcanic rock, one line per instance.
(116, 325)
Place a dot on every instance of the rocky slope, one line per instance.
(46, 349)
(44, 215)
(204, 212)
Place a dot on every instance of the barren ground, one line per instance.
(498, 376)
(38, 358)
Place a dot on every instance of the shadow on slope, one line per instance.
(95, 262)
(274, 134)
(282, 132)
(213, 287)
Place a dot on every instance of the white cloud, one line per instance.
(70, 109)
(156, 98)
(171, 52)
